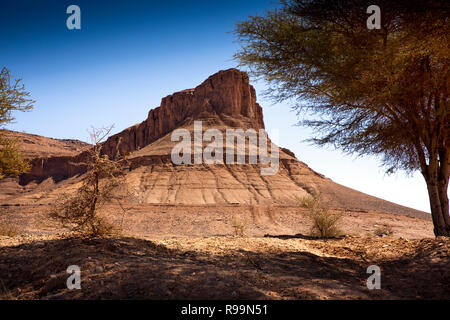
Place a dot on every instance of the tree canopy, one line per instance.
(13, 97)
(382, 92)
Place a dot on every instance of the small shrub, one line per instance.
(308, 202)
(245, 77)
(80, 211)
(384, 230)
(238, 226)
(324, 223)
(8, 230)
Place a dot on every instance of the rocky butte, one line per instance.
(224, 100)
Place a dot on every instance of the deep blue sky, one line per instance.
(130, 54)
(125, 58)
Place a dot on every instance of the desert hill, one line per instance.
(33, 146)
(224, 101)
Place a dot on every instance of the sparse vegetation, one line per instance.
(384, 230)
(324, 222)
(13, 97)
(80, 211)
(256, 210)
(8, 230)
(245, 76)
(238, 225)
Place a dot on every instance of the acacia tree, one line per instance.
(13, 97)
(80, 210)
(371, 92)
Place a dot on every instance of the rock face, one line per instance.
(226, 97)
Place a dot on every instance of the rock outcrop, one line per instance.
(226, 96)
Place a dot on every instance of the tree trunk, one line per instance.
(437, 192)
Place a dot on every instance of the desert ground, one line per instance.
(192, 252)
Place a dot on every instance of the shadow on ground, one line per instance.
(129, 268)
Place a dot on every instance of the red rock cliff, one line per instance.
(226, 96)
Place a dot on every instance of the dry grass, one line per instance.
(238, 224)
(324, 222)
(8, 230)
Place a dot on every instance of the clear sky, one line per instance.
(130, 54)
